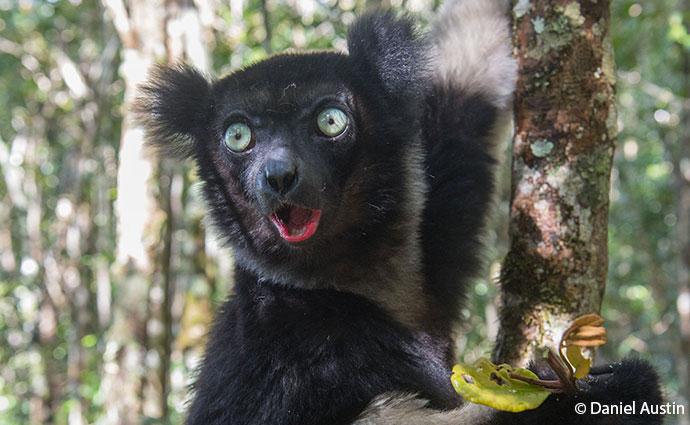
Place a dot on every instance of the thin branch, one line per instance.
(267, 25)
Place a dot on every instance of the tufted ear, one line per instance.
(173, 106)
(389, 46)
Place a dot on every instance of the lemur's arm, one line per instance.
(467, 117)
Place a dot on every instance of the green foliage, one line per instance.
(58, 140)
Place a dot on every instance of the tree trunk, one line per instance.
(140, 27)
(565, 120)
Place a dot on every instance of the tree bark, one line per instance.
(565, 129)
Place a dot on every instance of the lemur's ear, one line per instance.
(390, 47)
(173, 106)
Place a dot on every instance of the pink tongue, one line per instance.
(299, 216)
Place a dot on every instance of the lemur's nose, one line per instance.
(280, 174)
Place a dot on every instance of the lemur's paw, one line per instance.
(623, 393)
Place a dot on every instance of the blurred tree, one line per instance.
(647, 234)
(127, 392)
(680, 160)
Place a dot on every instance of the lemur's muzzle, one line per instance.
(279, 181)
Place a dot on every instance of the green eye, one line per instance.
(331, 121)
(238, 137)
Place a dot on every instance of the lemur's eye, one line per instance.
(331, 121)
(238, 137)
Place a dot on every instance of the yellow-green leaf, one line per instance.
(580, 364)
(491, 385)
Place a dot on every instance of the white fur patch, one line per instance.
(474, 50)
(407, 409)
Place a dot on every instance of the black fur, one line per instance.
(459, 166)
(281, 355)
(390, 53)
(314, 330)
(174, 106)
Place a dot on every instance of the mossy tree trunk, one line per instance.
(565, 129)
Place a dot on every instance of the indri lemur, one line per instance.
(352, 188)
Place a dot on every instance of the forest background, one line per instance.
(100, 325)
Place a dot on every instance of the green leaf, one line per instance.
(491, 385)
(89, 340)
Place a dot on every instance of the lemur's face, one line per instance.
(302, 154)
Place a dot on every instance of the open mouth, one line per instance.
(296, 224)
